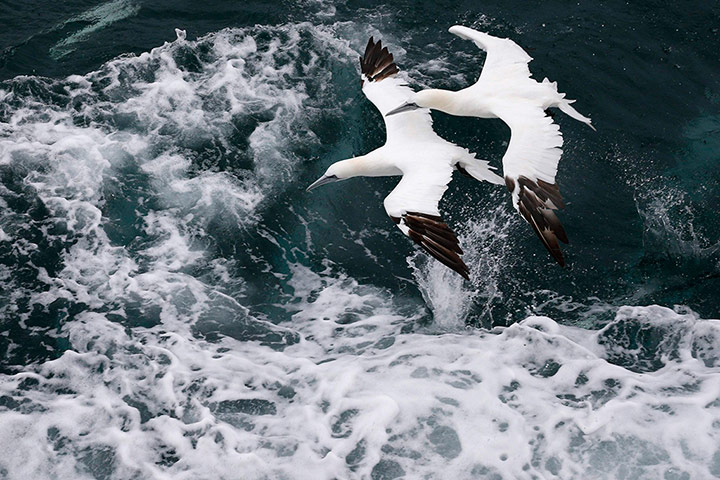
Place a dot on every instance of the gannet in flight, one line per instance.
(506, 91)
(413, 150)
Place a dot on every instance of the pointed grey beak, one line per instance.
(322, 181)
(405, 107)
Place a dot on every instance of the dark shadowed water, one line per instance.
(173, 304)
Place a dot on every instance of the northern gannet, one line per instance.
(412, 149)
(506, 91)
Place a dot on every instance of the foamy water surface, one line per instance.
(175, 306)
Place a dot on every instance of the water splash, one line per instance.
(451, 300)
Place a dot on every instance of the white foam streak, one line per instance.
(70, 162)
(99, 17)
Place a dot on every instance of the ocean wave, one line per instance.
(162, 323)
(356, 397)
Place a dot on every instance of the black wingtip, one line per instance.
(377, 63)
(436, 238)
(537, 202)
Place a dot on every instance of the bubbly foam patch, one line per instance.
(114, 181)
(357, 398)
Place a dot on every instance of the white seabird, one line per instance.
(506, 91)
(412, 149)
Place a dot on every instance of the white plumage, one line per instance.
(413, 150)
(506, 91)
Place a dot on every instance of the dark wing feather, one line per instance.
(412, 193)
(377, 63)
(537, 202)
(436, 238)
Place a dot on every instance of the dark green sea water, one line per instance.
(173, 304)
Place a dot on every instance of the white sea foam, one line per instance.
(162, 109)
(168, 376)
(356, 396)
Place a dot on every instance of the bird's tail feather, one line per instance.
(564, 105)
(567, 109)
(478, 169)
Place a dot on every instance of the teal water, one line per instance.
(173, 304)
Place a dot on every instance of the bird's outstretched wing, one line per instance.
(385, 90)
(529, 166)
(505, 58)
(506, 73)
(413, 206)
(531, 160)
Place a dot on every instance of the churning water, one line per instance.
(173, 305)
